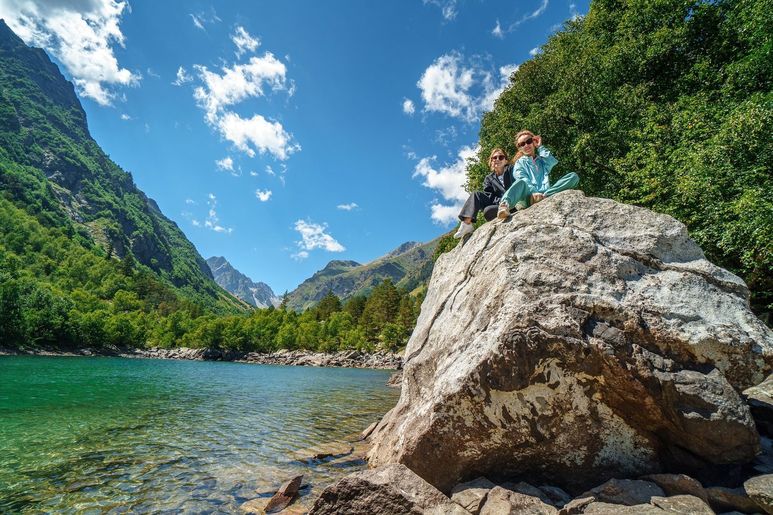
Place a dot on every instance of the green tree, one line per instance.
(329, 304)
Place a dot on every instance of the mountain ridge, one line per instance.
(256, 294)
(408, 266)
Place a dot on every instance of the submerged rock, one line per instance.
(580, 340)
(285, 495)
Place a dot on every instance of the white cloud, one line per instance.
(497, 31)
(263, 196)
(449, 182)
(182, 77)
(494, 88)
(448, 8)
(313, 236)
(190, 202)
(244, 41)
(237, 83)
(153, 74)
(461, 89)
(125, 117)
(408, 107)
(212, 221)
(81, 35)
(201, 19)
(300, 255)
(445, 87)
(225, 164)
(248, 134)
(347, 207)
(535, 51)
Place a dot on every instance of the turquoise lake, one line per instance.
(114, 435)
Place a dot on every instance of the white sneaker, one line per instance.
(464, 230)
(504, 211)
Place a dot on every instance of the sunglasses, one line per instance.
(525, 142)
(500, 157)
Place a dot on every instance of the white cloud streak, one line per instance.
(314, 236)
(497, 31)
(529, 16)
(212, 221)
(82, 35)
(225, 164)
(244, 41)
(448, 181)
(182, 77)
(448, 8)
(347, 207)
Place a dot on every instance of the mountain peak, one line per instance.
(259, 295)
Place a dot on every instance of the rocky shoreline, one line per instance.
(349, 359)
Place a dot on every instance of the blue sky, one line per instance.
(284, 134)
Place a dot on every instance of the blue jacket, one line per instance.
(536, 172)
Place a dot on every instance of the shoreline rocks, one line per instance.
(345, 359)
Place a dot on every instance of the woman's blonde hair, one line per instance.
(519, 153)
(494, 152)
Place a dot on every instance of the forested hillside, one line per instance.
(666, 105)
(85, 257)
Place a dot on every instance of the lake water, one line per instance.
(97, 435)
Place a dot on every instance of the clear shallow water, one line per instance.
(96, 435)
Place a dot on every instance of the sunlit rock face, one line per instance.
(579, 340)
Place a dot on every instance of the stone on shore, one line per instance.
(678, 484)
(760, 490)
(625, 491)
(472, 495)
(760, 399)
(678, 504)
(580, 340)
(501, 501)
(386, 490)
(731, 499)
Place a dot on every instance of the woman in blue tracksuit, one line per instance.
(531, 172)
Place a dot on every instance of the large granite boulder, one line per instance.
(579, 340)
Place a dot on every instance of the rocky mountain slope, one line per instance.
(258, 295)
(579, 341)
(54, 170)
(408, 266)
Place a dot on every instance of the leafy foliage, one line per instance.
(667, 105)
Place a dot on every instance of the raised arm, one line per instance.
(548, 159)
